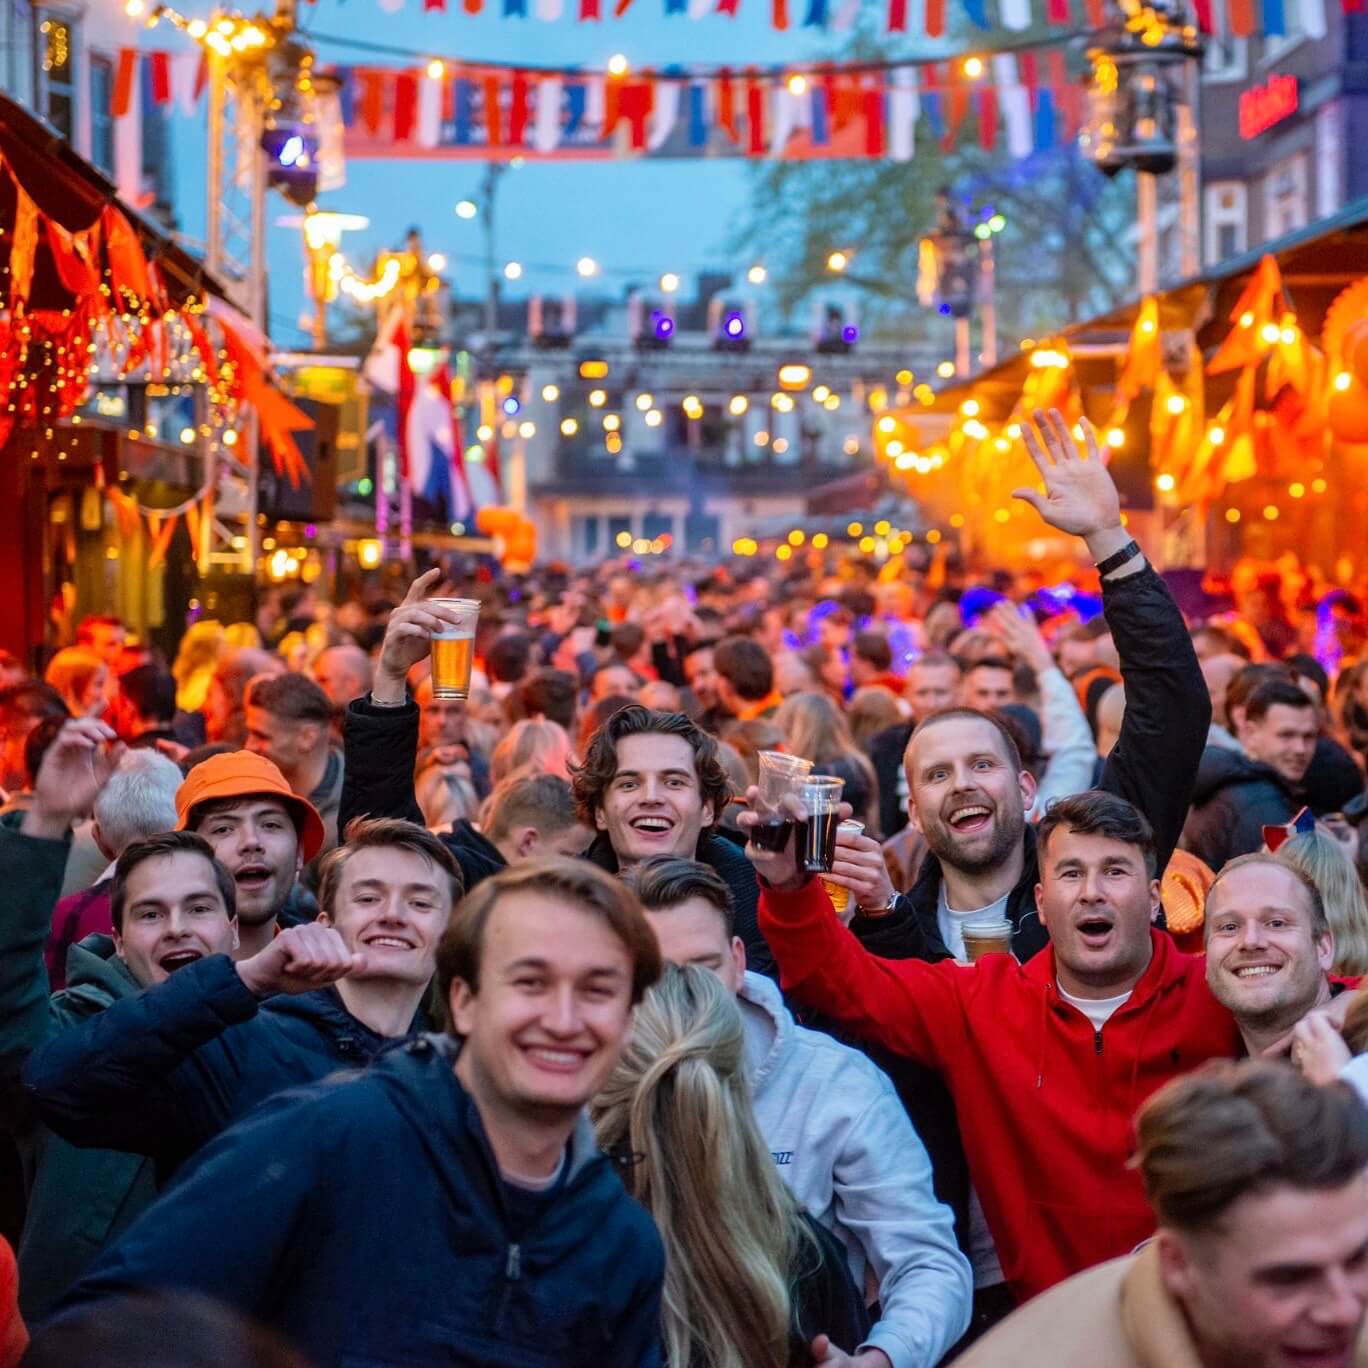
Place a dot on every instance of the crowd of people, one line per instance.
(344, 1022)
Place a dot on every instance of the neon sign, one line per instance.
(1266, 105)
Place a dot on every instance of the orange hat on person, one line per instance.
(244, 774)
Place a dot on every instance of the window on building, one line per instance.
(101, 123)
(1226, 221)
(57, 72)
(1286, 202)
(588, 534)
(1226, 57)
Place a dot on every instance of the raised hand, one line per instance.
(408, 636)
(779, 868)
(1016, 627)
(859, 866)
(1080, 495)
(1318, 1049)
(74, 770)
(298, 960)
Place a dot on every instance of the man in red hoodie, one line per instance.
(1048, 1061)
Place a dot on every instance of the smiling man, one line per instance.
(1046, 1060)
(172, 905)
(1256, 1178)
(259, 829)
(168, 1071)
(1269, 948)
(652, 784)
(526, 1252)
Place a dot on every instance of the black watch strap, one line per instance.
(1118, 558)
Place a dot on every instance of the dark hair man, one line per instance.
(987, 683)
(744, 679)
(172, 906)
(1269, 948)
(289, 721)
(1046, 1060)
(527, 817)
(871, 663)
(147, 706)
(932, 683)
(164, 1075)
(651, 784)
(612, 679)
(552, 694)
(1256, 1178)
(261, 830)
(970, 794)
(832, 1120)
(507, 661)
(1240, 792)
(529, 1250)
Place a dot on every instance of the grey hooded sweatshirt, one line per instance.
(847, 1151)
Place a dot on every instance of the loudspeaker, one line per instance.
(314, 499)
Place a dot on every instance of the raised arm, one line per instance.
(1168, 711)
(33, 855)
(380, 734)
(147, 1075)
(908, 1006)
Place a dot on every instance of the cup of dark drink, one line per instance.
(779, 773)
(987, 938)
(820, 798)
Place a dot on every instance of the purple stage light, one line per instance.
(850, 333)
(735, 325)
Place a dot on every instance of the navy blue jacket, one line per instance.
(385, 1239)
(163, 1073)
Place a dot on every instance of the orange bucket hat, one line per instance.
(243, 774)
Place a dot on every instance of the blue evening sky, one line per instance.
(638, 216)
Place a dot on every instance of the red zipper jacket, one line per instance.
(1045, 1102)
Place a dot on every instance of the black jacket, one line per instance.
(1153, 764)
(365, 1220)
(1234, 799)
(477, 855)
(161, 1074)
(886, 750)
(1332, 779)
(737, 872)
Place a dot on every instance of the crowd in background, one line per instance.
(626, 1088)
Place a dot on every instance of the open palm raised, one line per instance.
(1080, 495)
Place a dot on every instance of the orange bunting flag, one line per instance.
(1145, 355)
(128, 267)
(161, 540)
(1260, 303)
(23, 248)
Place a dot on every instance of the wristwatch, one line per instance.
(874, 913)
(1118, 558)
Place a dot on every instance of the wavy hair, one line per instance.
(678, 1106)
(592, 778)
(534, 743)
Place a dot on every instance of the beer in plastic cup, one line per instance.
(987, 938)
(778, 775)
(839, 895)
(453, 649)
(821, 797)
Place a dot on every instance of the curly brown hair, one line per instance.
(600, 765)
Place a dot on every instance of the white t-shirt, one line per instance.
(952, 922)
(1098, 1010)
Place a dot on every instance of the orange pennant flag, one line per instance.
(161, 541)
(1144, 356)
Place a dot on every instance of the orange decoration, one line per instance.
(1348, 412)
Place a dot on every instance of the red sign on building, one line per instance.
(1266, 105)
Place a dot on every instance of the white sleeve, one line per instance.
(885, 1203)
(1066, 739)
(1355, 1074)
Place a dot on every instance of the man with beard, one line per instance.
(1047, 1060)
(171, 906)
(969, 792)
(1269, 948)
(259, 828)
(164, 1074)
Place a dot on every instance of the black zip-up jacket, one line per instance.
(386, 1237)
(163, 1073)
(1153, 765)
